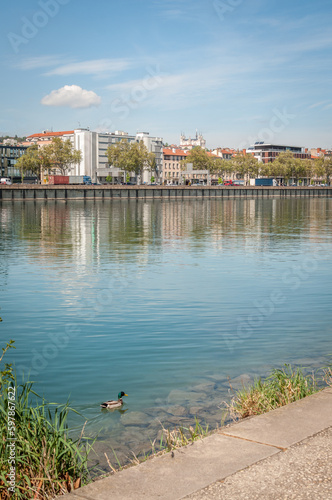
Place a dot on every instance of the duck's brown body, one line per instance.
(113, 403)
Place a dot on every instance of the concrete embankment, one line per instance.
(285, 453)
(39, 193)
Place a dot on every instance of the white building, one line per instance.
(154, 145)
(94, 145)
(191, 143)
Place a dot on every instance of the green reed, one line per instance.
(282, 387)
(47, 461)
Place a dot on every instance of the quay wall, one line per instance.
(34, 192)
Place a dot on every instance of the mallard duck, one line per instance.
(114, 404)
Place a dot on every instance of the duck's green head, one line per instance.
(121, 394)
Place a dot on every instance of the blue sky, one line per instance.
(236, 70)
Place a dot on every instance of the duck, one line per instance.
(113, 403)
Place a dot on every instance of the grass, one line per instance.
(282, 387)
(182, 436)
(170, 440)
(47, 461)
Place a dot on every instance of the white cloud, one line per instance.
(92, 67)
(39, 62)
(72, 96)
(317, 104)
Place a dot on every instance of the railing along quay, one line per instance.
(34, 192)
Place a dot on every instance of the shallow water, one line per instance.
(163, 300)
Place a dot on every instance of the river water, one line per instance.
(163, 300)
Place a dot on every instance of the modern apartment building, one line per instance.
(93, 146)
(266, 153)
(8, 158)
(154, 145)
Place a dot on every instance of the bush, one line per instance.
(283, 386)
(46, 461)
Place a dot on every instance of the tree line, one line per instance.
(285, 166)
(134, 157)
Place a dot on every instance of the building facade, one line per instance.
(8, 158)
(171, 165)
(192, 143)
(94, 145)
(266, 153)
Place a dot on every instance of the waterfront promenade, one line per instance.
(32, 192)
(283, 454)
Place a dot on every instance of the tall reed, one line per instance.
(47, 461)
(283, 386)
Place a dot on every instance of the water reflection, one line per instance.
(166, 299)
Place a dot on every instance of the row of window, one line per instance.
(174, 158)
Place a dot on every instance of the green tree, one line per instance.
(323, 168)
(220, 167)
(301, 169)
(131, 157)
(109, 178)
(199, 158)
(283, 166)
(32, 162)
(245, 164)
(61, 155)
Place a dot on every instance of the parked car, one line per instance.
(6, 180)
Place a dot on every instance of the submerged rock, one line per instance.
(176, 396)
(241, 381)
(177, 410)
(135, 418)
(205, 387)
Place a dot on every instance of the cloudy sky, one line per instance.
(236, 70)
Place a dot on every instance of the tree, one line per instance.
(199, 159)
(323, 168)
(245, 164)
(33, 161)
(61, 155)
(220, 167)
(131, 157)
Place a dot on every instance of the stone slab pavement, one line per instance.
(255, 458)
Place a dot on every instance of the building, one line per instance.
(154, 145)
(319, 153)
(224, 153)
(9, 142)
(173, 173)
(8, 158)
(192, 143)
(94, 145)
(266, 153)
(46, 137)
(171, 165)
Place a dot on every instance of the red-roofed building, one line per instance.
(46, 137)
(171, 165)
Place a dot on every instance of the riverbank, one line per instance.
(256, 454)
(39, 193)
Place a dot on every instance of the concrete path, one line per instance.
(282, 454)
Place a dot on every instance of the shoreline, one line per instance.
(250, 445)
(32, 192)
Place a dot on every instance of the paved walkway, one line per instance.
(284, 454)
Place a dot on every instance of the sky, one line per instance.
(238, 71)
